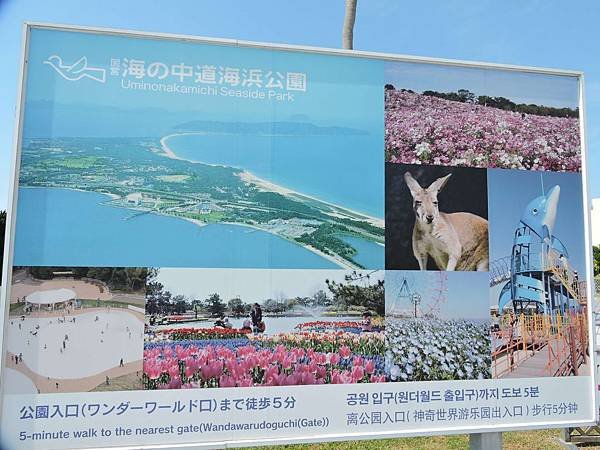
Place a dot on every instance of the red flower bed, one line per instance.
(180, 334)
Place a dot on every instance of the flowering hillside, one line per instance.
(420, 129)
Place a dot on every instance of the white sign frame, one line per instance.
(13, 191)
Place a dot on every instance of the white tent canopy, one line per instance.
(50, 297)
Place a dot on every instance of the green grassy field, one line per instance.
(522, 440)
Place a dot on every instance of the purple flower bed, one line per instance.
(420, 129)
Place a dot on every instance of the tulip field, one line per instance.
(314, 354)
(421, 129)
(434, 349)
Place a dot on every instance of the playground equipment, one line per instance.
(537, 275)
(542, 303)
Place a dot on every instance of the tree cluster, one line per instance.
(125, 279)
(356, 291)
(466, 96)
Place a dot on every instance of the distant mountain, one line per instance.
(289, 128)
(46, 118)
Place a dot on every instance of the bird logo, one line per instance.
(77, 70)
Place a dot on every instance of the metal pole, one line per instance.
(485, 441)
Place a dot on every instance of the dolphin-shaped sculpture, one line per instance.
(77, 70)
(540, 214)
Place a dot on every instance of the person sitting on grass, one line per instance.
(220, 322)
(366, 325)
(223, 322)
(247, 325)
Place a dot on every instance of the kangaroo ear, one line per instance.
(439, 184)
(413, 185)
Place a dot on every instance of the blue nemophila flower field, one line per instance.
(434, 349)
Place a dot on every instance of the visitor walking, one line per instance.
(121, 363)
(495, 322)
(512, 322)
(257, 318)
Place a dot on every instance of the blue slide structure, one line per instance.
(537, 277)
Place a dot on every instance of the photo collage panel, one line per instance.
(434, 233)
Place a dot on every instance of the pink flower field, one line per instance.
(206, 358)
(420, 129)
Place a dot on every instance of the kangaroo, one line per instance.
(455, 241)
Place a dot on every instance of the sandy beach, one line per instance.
(171, 155)
(249, 177)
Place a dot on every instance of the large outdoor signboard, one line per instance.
(226, 243)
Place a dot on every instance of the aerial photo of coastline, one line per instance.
(154, 179)
(149, 178)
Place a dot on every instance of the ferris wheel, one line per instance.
(436, 295)
(416, 294)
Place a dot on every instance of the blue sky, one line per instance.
(466, 295)
(537, 33)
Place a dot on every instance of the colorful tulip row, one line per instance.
(351, 327)
(364, 343)
(420, 129)
(326, 324)
(152, 342)
(180, 334)
(190, 366)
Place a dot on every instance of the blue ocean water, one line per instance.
(370, 254)
(62, 227)
(346, 170)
